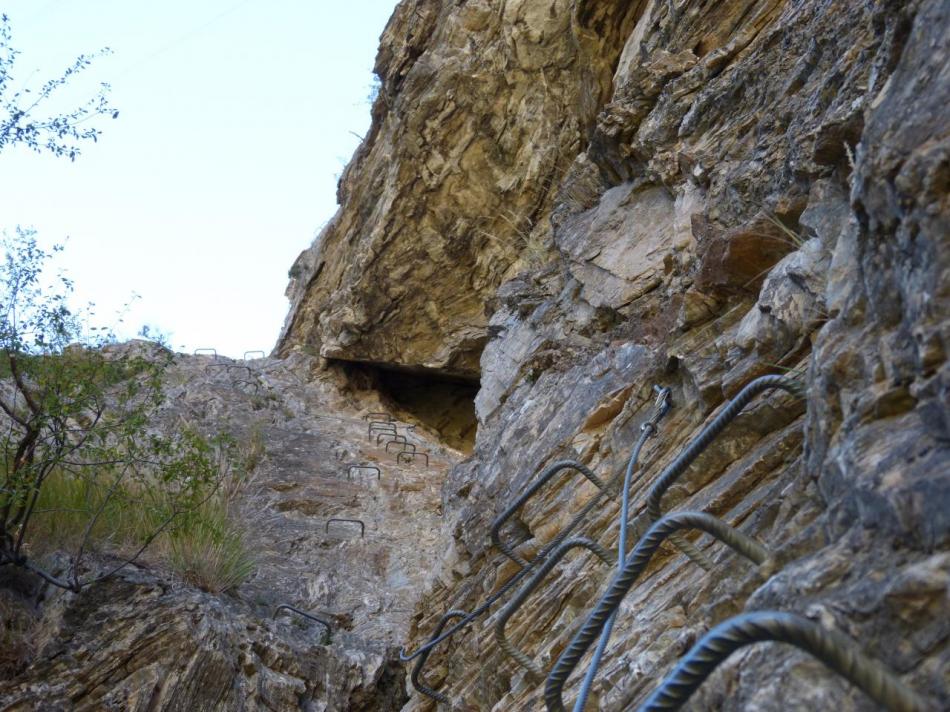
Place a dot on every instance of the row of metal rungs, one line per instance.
(834, 649)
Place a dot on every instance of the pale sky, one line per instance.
(235, 123)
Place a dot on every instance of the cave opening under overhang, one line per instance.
(445, 404)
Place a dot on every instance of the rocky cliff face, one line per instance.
(482, 107)
(148, 640)
(681, 193)
(569, 202)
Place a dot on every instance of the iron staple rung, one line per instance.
(540, 574)
(515, 578)
(541, 480)
(411, 456)
(357, 468)
(416, 675)
(326, 528)
(833, 649)
(682, 461)
(288, 607)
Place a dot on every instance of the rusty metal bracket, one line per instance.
(380, 436)
(262, 355)
(528, 494)
(287, 607)
(416, 676)
(401, 440)
(349, 521)
(239, 381)
(206, 352)
(240, 366)
(229, 366)
(379, 428)
(413, 451)
(357, 468)
(540, 574)
(633, 566)
(385, 416)
(835, 650)
(676, 468)
(411, 456)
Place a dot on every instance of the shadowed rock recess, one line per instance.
(561, 203)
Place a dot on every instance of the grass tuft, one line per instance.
(204, 545)
(208, 550)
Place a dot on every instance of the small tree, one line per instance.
(78, 408)
(60, 134)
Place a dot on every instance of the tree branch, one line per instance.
(92, 523)
(21, 386)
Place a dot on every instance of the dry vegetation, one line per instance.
(204, 545)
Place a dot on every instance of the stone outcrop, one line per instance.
(762, 188)
(572, 202)
(141, 642)
(481, 109)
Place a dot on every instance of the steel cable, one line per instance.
(540, 574)
(676, 468)
(832, 648)
(621, 584)
(416, 676)
(647, 430)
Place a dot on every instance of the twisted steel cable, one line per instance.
(416, 676)
(833, 649)
(676, 468)
(512, 582)
(528, 494)
(540, 574)
(647, 430)
(633, 566)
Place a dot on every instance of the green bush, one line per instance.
(81, 459)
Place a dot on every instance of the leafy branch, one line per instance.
(21, 117)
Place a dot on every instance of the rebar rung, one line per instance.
(835, 650)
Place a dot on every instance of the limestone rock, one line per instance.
(573, 202)
(481, 109)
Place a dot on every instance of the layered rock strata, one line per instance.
(762, 190)
(572, 202)
(482, 107)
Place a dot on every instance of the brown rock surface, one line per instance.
(482, 108)
(766, 189)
